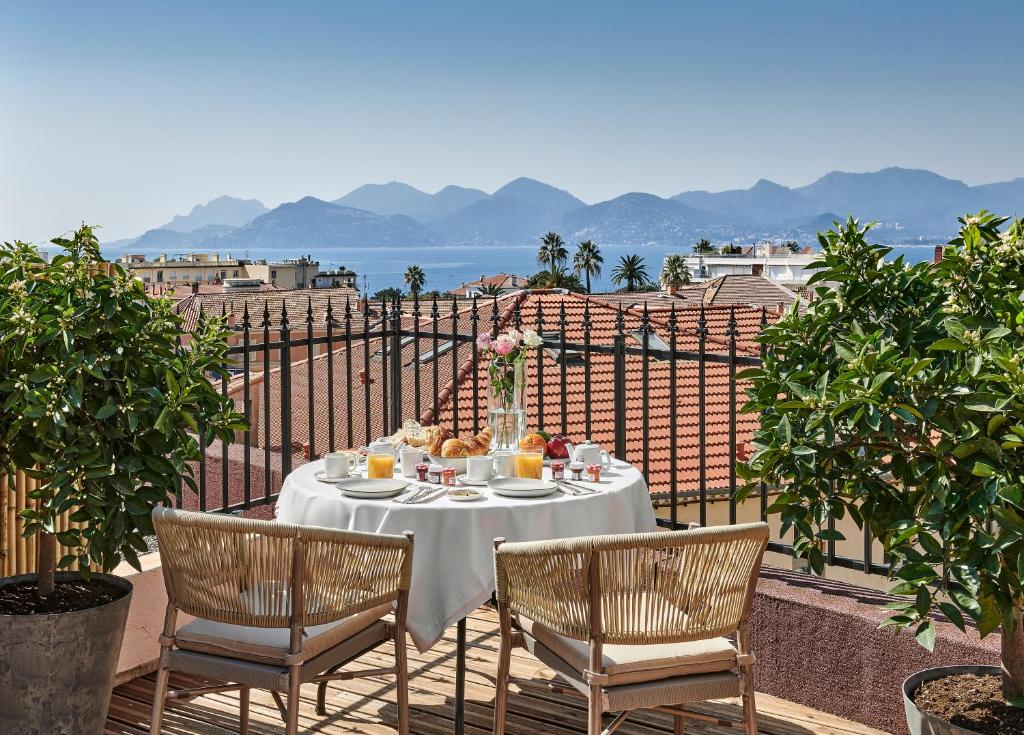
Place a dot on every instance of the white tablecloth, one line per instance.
(453, 559)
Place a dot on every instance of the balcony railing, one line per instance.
(656, 385)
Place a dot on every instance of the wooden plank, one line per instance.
(367, 706)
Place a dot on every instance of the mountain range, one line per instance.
(909, 204)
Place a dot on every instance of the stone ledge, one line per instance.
(818, 643)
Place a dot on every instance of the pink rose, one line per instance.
(502, 346)
(483, 341)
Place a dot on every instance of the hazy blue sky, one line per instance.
(123, 114)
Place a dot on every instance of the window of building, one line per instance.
(234, 273)
(654, 342)
(159, 276)
(273, 275)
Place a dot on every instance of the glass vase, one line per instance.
(506, 402)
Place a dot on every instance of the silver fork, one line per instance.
(430, 497)
(415, 495)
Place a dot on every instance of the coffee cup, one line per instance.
(479, 469)
(339, 464)
(505, 463)
(410, 456)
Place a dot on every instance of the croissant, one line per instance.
(455, 448)
(480, 444)
(436, 436)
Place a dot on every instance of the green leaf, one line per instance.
(926, 635)
(106, 411)
(949, 343)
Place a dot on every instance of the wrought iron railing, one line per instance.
(312, 385)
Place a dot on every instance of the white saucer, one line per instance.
(467, 480)
(357, 487)
(319, 474)
(464, 495)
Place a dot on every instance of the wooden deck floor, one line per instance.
(367, 706)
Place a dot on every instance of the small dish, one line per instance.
(464, 495)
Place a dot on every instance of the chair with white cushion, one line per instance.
(277, 606)
(635, 621)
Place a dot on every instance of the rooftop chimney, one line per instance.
(937, 257)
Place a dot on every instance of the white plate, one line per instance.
(522, 487)
(467, 480)
(464, 495)
(356, 487)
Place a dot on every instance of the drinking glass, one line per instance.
(380, 462)
(530, 463)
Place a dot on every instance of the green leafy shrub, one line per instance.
(99, 398)
(897, 397)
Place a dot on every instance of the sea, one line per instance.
(449, 266)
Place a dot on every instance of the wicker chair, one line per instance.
(277, 606)
(634, 621)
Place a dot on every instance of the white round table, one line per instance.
(453, 557)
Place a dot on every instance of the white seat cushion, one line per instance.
(270, 645)
(635, 664)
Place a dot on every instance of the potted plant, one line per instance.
(897, 397)
(674, 273)
(101, 404)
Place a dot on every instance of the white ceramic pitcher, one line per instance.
(590, 452)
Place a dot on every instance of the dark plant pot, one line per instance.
(923, 723)
(57, 670)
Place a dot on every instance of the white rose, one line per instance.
(532, 339)
(514, 336)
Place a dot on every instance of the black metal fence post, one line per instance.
(619, 379)
(396, 366)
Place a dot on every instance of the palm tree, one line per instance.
(415, 278)
(674, 273)
(632, 271)
(587, 260)
(490, 289)
(704, 247)
(552, 251)
(561, 278)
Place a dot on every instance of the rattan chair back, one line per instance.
(271, 575)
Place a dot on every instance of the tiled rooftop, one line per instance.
(297, 302)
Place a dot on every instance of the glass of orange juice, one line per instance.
(380, 460)
(530, 463)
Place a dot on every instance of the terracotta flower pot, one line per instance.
(57, 670)
(924, 723)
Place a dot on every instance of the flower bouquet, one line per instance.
(506, 373)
